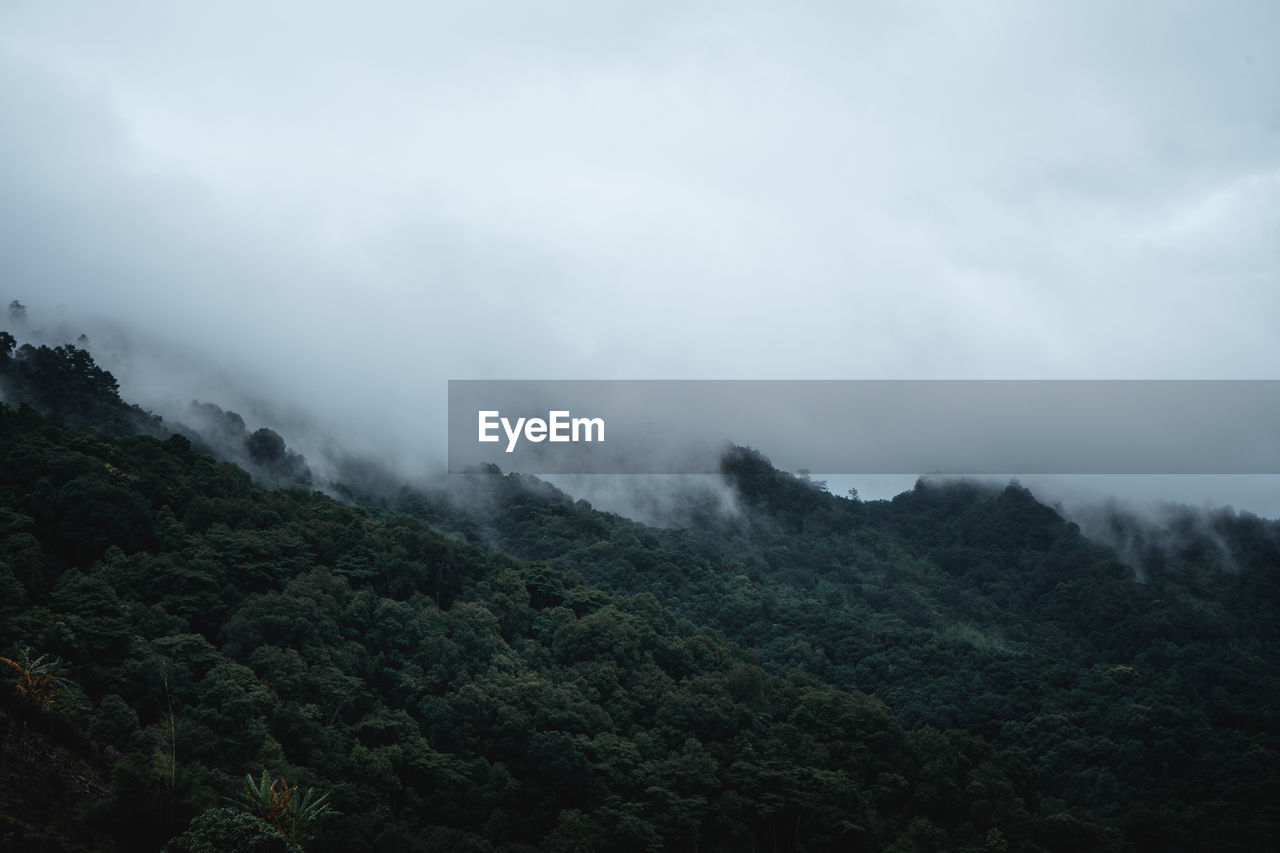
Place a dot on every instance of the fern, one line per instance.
(277, 802)
(38, 678)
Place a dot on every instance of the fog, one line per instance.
(317, 214)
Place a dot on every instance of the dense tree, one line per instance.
(958, 669)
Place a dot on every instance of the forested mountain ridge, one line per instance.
(444, 697)
(569, 697)
(1148, 689)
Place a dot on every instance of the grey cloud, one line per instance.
(336, 207)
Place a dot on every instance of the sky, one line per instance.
(336, 207)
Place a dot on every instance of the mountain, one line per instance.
(1144, 690)
(956, 669)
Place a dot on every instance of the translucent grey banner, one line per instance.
(867, 426)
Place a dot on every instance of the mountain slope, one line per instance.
(958, 668)
(1153, 701)
(447, 698)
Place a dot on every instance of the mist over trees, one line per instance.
(956, 669)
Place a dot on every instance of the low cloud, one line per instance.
(333, 210)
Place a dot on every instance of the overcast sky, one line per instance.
(340, 206)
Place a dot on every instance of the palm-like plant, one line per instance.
(277, 802)
(38, 678)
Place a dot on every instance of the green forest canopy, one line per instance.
(958, 669)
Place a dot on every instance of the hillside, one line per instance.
(958, 669)
(1145, 689)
